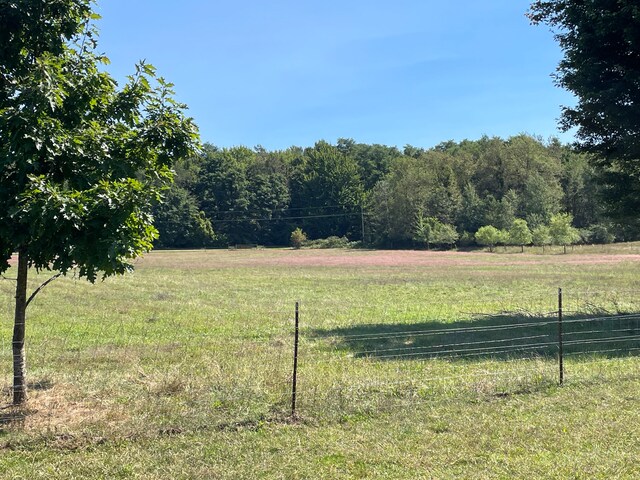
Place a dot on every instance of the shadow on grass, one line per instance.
(502, 337)
(16, 414)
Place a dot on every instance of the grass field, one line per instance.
(183, 369)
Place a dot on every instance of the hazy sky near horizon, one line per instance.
(286, 72)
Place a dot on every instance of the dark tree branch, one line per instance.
(44, 284)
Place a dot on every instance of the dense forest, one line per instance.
(386, 197)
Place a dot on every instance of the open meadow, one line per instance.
(412, 364)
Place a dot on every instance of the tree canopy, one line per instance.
(257, 196)
(600, 40)
(489, 236)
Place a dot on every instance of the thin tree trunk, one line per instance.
(19, 357)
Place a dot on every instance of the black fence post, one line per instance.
(295, 363)
(560, 349)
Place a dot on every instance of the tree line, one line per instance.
(385, 197)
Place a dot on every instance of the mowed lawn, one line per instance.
(183, 368)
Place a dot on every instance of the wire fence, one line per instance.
(501, 353)
(315, 360)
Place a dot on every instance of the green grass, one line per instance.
(182, 369)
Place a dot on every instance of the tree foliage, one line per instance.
(431, 231)
(562, 231)
(540, 236)
(327, 182)
(180, 223)
(601, 67)
(519, 233)
(489, 236)
(255, 196)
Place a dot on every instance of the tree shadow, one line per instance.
(15, 415)
(504, 336)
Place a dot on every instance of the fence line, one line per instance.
(349, 357)
(568, 336)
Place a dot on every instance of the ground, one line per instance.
(183, 369)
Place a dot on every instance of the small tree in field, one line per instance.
(503, 238)
(540, 236)
(82, 160)
(489, 236)
(519, 234)
(561, 231)
(298, 237)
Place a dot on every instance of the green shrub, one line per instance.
(601, 234)
(298, 237)
(331, 242)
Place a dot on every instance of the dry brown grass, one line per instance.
(58, 408)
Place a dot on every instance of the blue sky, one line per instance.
(286, 72)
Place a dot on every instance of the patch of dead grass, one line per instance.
(58, 408)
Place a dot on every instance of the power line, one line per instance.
(280, 209)
(277, 219)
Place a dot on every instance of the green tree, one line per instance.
(582, 192)
(424, 229)
(373, 161)
(445, 235)
(500, 213)
(223, 191)
(180, 223)
(601, 234)
(326, 187)
(540, 236)
(471, 214)
(561, 230)
(601, 68)
(82, 160)
(430, 230)
(489, 236)
(539, 199)
(503, 237)
(519, 233)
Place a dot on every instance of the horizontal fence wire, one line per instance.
(584, 336)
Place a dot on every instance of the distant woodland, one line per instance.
(388, 198)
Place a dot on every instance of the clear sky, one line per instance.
(291, 72)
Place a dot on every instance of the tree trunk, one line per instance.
(19, 357)
(565, 248)
(522, 248)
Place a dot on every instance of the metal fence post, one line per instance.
(295, 363)
(560, 349)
